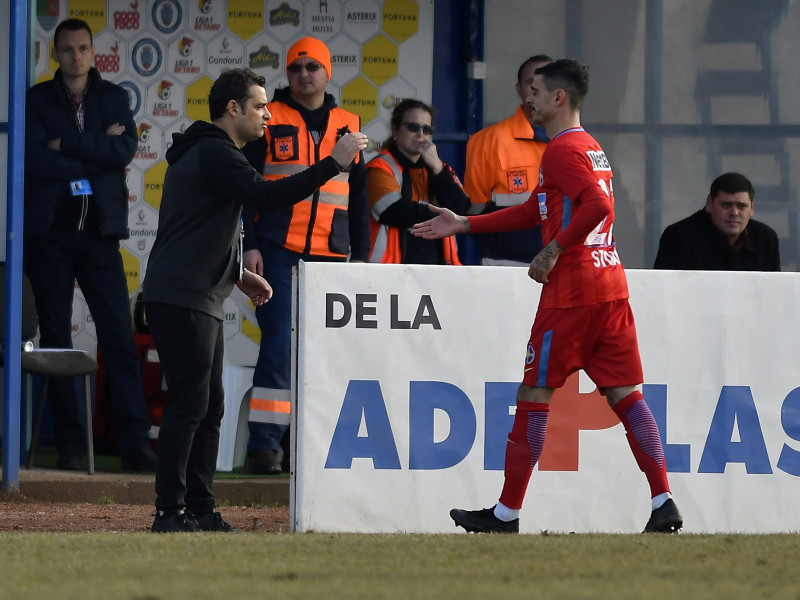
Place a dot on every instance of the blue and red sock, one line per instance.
(645, 442)
(523, 449)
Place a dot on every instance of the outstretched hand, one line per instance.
(442, 225)
(348, 146)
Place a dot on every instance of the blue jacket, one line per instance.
(91, 154)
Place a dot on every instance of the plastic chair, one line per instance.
(49, 362)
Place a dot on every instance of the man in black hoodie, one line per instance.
(79, 137)
(194, 264)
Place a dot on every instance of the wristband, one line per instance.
(338, 166)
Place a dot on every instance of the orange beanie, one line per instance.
(312, 48)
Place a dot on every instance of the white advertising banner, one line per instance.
(406, 383)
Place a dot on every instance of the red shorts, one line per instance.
(599, 338)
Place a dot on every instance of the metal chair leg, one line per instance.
(37, 425)
(89, 434)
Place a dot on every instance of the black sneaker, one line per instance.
(666, 519)
(483, 521)
(265, 462)
(212, 521)
(173, 522)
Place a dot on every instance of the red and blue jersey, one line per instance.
(575, 198)
(574, 202)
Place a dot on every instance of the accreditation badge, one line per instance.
(80, 187)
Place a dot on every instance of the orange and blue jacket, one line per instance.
(503, 170)
(322, 224)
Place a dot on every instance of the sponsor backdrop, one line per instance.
(167, 53)
(407, 378)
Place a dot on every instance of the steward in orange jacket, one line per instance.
(502, 170)
(320, 225)
(399, 193)
(330, 225)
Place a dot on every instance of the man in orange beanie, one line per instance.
(330, 225)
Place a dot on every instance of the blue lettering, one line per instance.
(500, 397)
(424, 452)
(676, 455)
(364, 409)
(363, 399)
(789, 460)
(735, 407)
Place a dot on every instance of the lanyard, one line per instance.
(241, 247)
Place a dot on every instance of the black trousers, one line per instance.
(190, 347)
(53, 263)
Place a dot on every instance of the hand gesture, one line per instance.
(428, 152)
(445, 223)
(255, 287)
(348, 146)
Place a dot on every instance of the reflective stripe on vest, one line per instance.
(269, 405)
(384, 203)
(509, 199)
(392, 197)
(501, 200)
(335, 192)
(385, 240)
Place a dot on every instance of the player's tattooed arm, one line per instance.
(543, 263)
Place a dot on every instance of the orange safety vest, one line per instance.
(291, 149)
(384, 241)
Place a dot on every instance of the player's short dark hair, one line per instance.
(72, 25)
(569, 75)
(233, 84)
(732, 183)
(536, 58)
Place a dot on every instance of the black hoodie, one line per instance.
(193, 263)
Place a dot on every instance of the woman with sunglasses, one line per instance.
(402, 181)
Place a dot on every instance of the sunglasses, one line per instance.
(415, 127)
(311, 67)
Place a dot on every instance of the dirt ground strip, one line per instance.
(20, 514)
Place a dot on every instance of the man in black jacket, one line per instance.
(80, 136)
(195, 262)
(722, 236)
